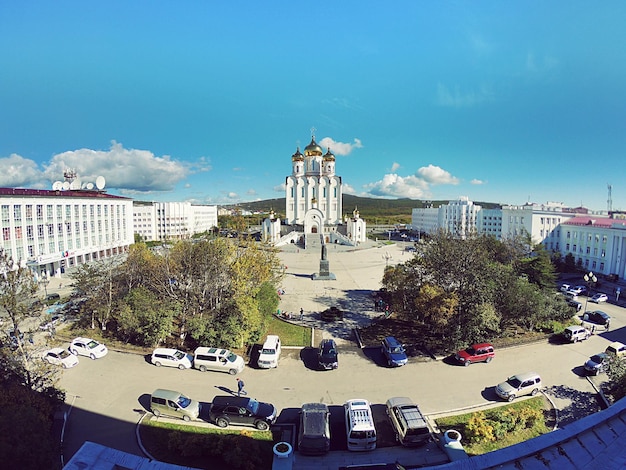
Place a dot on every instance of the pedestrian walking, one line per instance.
(240, 390)
(301, 313)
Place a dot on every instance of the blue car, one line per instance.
(394, 352)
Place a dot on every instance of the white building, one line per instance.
(598, 243)
(160, 221)
(489, 222)
(457, 217)
(51, 230)
(541, 221)
(313, 196)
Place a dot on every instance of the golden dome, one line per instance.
(329, 157)
(313, 150)
(297, 157)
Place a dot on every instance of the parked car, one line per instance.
(226, 410)
(394, 352)
(175, 404)
(88, 347)
(576, 333)
(171, 358)
(596, 363)
(578, 290)
(616, 348)
(481, 352)
(565, 287)
(598, 317)
(60, 357)
(408, 422)
(570, 295)
(51, 298)
(51, 322)
(327, 357)
(574, 303)
(518, 385)
(314, 431)
(599, 297)
(270, 352)
(217, 359)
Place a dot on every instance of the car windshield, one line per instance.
(179, 355)
(63, 354)
(397, 350)
(471, 351)
(514, 382)
(231, 357)
(597, 359)
(183, 401)
(252, 405)
(92, 344)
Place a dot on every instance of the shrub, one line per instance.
(478, 428)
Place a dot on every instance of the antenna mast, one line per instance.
(609, 201)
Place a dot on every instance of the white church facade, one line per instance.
(313, 202)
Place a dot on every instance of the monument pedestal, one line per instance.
(324, 274)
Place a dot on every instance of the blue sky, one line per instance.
(206, 101)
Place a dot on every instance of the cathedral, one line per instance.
(313, 202)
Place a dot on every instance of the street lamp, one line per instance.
(44, 281)
(590, 279)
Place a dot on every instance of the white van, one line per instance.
(217, 359)
(171, 358)
(360, 428)
(269, 353)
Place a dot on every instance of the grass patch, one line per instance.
(290, 334)
(210, 448)
(496, 428)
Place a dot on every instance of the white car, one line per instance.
(88, 347)
(60, 357)
(565, 287)
(599, 298)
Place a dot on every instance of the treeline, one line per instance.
(220, 291)
(466, 291)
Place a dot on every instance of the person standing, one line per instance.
(301, 313)
(240, 386)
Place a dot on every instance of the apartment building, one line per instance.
(160, 221)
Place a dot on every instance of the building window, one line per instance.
(602, 267)
(574, 248)
(17, 213)
(39, 210)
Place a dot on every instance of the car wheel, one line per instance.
(157, 363)
(222, 422)
(64, 365)
(232, 371)
(511, 397)
(534, 392)
(181, 366)
(467, 363)
(92, 356)
(186, 418)
(74, 352)
(262, 426)
(488, 360)
(202, 368)
(389, 363)
(156, 413)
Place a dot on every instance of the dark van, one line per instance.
(314, 433)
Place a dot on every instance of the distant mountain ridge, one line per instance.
(366, 206)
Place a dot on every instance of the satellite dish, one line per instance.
(100, 182)
(56, 186)
(83, 186)
(65, 186)
(75, 184)
(89, 186)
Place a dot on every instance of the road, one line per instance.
(108, 395)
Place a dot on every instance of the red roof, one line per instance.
(52, 193)
(602, 222)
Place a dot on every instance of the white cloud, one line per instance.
(477, 181)
(251, 192)
(393, 185)
(340, 148)
(395, 167)
(279, 188)
(347, 189)
(130, 170)
(435, 175)
(455, 98)
(19, 172)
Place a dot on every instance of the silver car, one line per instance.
(518, 385)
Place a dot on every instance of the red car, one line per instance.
(481, 352)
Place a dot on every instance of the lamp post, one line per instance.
(44, 281)
(590, 279)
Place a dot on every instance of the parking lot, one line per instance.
(108, 395)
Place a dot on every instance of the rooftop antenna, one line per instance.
(609, 201)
